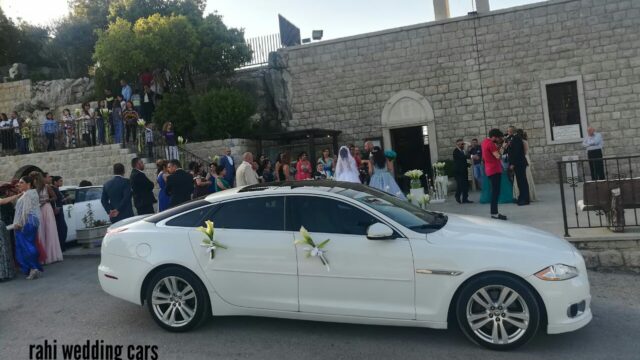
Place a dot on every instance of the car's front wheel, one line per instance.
(498, 312)
(176, 299)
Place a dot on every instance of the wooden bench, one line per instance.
(612, 197)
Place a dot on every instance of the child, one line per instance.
(69, 128)
(320, 172)
(148, 138)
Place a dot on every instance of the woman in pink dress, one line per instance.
(303, 167)
(47, 231)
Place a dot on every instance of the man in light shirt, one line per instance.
(593, 144)
(245, 175)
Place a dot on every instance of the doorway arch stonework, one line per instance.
(406, 109)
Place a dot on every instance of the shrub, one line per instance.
(223, 112)
(176, 107)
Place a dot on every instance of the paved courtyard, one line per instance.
(68, 305)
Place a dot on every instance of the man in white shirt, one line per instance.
(245, 175)
(593, 144)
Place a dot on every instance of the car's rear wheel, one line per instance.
(498, 312)
(177, 300)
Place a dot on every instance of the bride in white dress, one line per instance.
(346, 169)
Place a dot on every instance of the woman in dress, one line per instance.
(303, 167)
(102, 117)
(25, 225)
(267, 171)
(170, 140)
(116, 117)
(532, 185)
(88, 124)
(69, 129)
(163, 198)
(47, 231)
(381, 169)
(7, 267)
(211, 178)
(282, 168)
(200, 184)
(130, 117)
(346, 168)
(327, 162)
(221, 183)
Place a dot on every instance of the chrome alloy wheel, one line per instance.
(174, 301)
(497, 314)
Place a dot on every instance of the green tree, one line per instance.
(132, 10)
(71, 47)
(116, 50)
(96, 12)
(223, 112)
(176, 107)
(221, 50)
(8, 35)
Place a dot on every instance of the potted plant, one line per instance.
(94, 230)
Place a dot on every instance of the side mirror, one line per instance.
(379, 231)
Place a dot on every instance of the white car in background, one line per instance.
(388, 263)
(75, 207)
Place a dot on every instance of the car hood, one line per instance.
(496, 233)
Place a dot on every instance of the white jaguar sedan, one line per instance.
(386, 263)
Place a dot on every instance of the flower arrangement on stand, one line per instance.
(416, 190)
(210, 242)
(141, 123)
(107, 126)
(441, 183)
(25, 132)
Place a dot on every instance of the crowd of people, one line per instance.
(115, 119)
(38, 224)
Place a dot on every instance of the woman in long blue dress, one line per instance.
(506, 188)
(163, 198)
(25, 225)
(381, 170)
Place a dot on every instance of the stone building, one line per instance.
(550, 68)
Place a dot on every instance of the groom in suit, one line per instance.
(227, 161)
(116, 196)
(142, 188)
(179, 184)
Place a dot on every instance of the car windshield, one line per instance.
(400, 211)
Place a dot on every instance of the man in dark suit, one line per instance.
(227, 161)
(179, 184)
(142, 188)
(518, 163)
(116, 196)
(461, 173)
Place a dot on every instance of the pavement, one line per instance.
(67, 305)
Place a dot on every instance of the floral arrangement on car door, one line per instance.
(210, 242)
(314, 250)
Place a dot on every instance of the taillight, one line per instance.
(116, 230)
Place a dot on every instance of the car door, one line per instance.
(258, 269)
(69, 213)
(369, 278)
(86, 198)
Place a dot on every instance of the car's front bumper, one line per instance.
(559, 296)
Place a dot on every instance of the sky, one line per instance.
(337, 18)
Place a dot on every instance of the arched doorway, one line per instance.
(408, 127)
(26, 170)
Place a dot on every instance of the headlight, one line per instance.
(557, 272)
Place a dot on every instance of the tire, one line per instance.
(177, 300)
(505, 321)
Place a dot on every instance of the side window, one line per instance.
(262, 213)
(93, 194)
(193, 218)
(318, 214)
(69, 196)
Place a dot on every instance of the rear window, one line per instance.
(194, 204)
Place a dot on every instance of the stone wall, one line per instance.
(91, 163)
(208, 149)
(480, 72)
(14, 93)
(610, 254)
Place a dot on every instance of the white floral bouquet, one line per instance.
(414, 174)
(210, 242)
(181, 140)
(424, 200)
(439, 168)
(77, 112)
(314, 250)
(141, 122)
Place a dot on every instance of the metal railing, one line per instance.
(600, 193)
(262, 46)
(34, 138)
